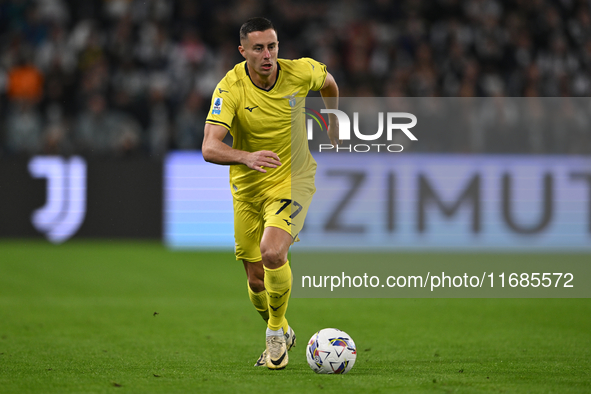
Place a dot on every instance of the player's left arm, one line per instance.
(330, 96)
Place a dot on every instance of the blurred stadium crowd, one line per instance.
(135, 77)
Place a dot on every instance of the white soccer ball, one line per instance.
(331, 351)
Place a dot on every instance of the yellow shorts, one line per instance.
(282, 209)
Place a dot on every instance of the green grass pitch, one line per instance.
(132, 317)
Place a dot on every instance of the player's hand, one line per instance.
(263, 158)
(333, 133)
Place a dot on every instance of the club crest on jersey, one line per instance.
(292, 99)
(217, 106)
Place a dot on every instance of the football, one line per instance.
(331, 351)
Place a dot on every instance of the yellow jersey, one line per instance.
(272, 119)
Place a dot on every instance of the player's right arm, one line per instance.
(215, 151)
(218, 123)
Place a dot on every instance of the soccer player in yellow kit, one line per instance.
(271, 168)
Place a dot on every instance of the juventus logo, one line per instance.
(65, 208)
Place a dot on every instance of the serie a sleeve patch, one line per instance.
(217, 106)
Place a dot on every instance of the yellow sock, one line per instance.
(260, 302)
(278, 286)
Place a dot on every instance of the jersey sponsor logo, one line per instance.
(251, 108)
(217, 106)
(222, 90)
(291, 98)
(311, 65)
(288, 222)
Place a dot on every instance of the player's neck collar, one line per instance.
(266, 90)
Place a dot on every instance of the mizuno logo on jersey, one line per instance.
(222, 90)
(251, 108)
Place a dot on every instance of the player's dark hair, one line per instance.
(255, 24)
